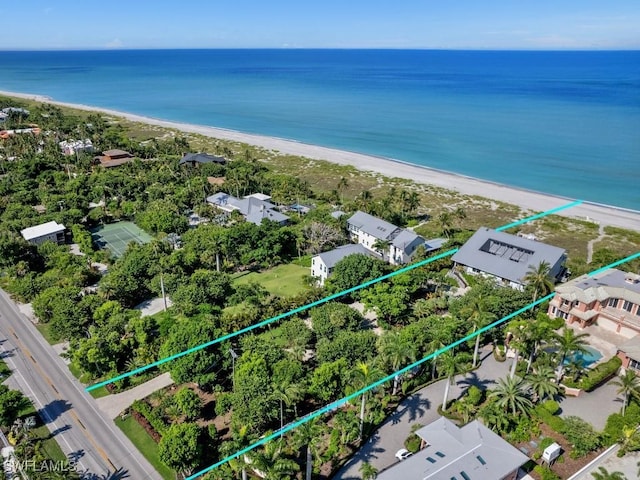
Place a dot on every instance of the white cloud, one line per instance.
(115, 43)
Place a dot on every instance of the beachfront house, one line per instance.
(395, 244)
(323, 263)
(461, 453)
(193, 159)
(254, 208)
(71, 147)
(629, 353)
(610, 299)
(508, 258)
(113, 158)
(45, 232)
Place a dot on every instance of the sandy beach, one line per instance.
(529, 200)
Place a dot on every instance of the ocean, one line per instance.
(566, 123)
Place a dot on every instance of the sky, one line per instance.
(436, 24)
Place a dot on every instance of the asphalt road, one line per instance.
(81, 429)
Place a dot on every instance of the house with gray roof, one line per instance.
(197, 158)
(254, 208)
(610, 299)
(323, 263)
(369, 231)
(508, 258)
(471, 452)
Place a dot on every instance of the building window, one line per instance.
(553, 310)
(628, 306)
(613, 302)
(634, 365)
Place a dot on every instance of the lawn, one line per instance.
(283, 280)
(45, 331)
(145, 445)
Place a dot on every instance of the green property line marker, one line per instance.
(342, 401)
(539, 215)
(309, 305)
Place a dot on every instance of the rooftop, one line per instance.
(332, 257)
(611, 283)
(201, 158)
(374, 226)
(504, 255)
(471, 452)
(41, 230)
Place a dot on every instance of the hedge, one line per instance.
(600, 374)
(156, 421)
(555, 423)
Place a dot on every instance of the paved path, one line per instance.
(112, 405)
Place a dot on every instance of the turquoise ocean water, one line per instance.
(566, 123)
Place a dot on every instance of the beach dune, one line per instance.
(525, 199)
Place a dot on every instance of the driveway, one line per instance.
(422, 407)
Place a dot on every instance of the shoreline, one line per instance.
(602, 214)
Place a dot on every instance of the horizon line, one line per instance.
(372, 48)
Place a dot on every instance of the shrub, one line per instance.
(152, 416)
(412, 443)
(616, 422)
(551, 406)
(474, 396)
(555, 423)
(545, 473)
(600, 374)
(581, 435)
(224, 401)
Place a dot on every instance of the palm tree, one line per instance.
(459, 214)
(450, 366)
(510, 395)
(604, 474)
(629, 385)
(542, 384)
(382, 247)
(538, 278)
(517, 334)
(493, 416)
(368, 471)
(476, 313)
(343, 183)
(396, 351)
(445, 221)
(286, 393)
(308, 435)
(568, 343)
(364, 200)
(271, 463)
(362, 376)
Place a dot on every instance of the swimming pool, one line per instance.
(589, 357)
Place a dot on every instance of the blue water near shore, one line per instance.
(566, 123)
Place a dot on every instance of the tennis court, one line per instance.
(116, 236)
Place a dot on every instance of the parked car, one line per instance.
(403, 453)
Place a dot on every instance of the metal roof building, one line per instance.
(508, 257)
(472, 452)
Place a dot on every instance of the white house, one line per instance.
(45, 232)
(255, 207)
(368, 231)
(322, 264)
